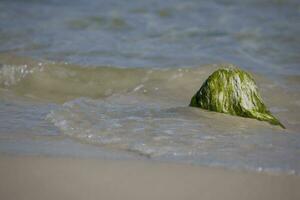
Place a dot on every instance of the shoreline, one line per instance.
(40, 177)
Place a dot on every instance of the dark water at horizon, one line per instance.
(96, 77)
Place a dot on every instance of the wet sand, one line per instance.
(35, 178)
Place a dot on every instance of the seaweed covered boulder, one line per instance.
(233, 91)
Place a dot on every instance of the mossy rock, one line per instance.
(233, 91)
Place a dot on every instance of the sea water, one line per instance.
(114, 79)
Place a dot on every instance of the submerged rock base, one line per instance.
(233, 91)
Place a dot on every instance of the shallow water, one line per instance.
(117, 77)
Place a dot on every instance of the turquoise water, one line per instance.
(113, 79)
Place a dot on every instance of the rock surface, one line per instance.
(233, 91)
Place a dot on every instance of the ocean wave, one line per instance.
(60, 82)
(146, 112)
(162, 130)
(143, 125)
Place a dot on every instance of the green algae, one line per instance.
(233, 91)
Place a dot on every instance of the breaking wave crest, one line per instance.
(60, 82)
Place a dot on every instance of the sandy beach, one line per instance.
(35, 178)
